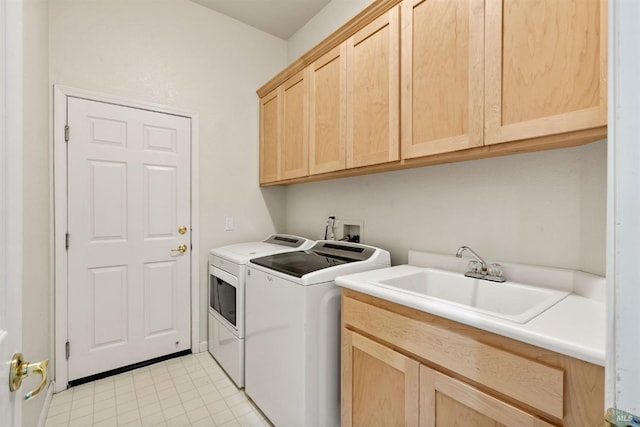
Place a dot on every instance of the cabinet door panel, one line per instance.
(447, 402)
(373, 92)
(270, 129)
(294, 162)
(327, 112)
(442, 76)
(546, 67)
(379, 385)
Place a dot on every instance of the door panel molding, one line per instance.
(60, 312)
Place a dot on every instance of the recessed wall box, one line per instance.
(349, 230)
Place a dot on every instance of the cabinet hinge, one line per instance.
(66, 350)
(66, 133)
(66, 241)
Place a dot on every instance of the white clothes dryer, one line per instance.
(227, 265)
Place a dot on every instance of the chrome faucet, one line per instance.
(492, 273)
(473, 254)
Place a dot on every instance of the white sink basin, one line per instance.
(511, 301)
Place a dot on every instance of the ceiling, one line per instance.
(281, 18)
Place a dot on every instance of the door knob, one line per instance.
(180, 249)
(182, 229)
(20, 369)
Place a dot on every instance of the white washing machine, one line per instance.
(293, 330)
(227, 266)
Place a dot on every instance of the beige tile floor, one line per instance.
(188, 391)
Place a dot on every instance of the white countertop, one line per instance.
(575, 326)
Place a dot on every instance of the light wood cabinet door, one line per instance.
(379, 385)
(447, 402)
(327, 112)
(442, 76)
(294, 160)
(373, 92)
(545, 67)
(270, 130)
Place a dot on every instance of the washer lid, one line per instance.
(322, 255)
(240, 253)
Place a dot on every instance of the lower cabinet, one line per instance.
(383, 387)
(379, 385)
(402, 367)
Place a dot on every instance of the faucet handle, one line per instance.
(474, 266)
(495, 270)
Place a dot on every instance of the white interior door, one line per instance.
(128, 213)
(10, 275)
(10, 206)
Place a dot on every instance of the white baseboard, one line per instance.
(45, 407)
(204, 346)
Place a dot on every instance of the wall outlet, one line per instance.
(228, 224)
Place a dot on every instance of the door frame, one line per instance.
(60, 292)
(622, 370)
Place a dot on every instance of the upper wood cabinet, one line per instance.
(545, 68)
(270, 130)
(479, 78)
(476, 72)
(354, 99)
(373, 95)
(294, 155)
(327, 112)
(442, 76)
(284, 131)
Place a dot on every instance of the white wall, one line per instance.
(546, 208)
(180, 54)
(36, 186)
(329, 19)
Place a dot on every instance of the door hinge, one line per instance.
(66, 133)
(66, 241)
(66, 350)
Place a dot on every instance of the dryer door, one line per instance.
(224, 295)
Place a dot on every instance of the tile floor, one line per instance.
(188, 391)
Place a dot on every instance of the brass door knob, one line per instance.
(20, 369)
(182, 230)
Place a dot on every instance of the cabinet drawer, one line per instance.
(528, 381)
